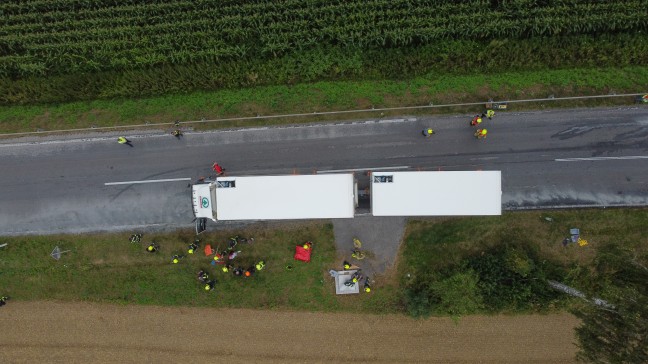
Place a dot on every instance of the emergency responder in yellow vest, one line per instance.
(367, 287)
(219, 258)
(427, 132)
(192, 248)
(210, 285)
(122, 140)
(481, 133)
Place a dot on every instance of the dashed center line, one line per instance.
(147, 181)
(362, 169)
(600, 158)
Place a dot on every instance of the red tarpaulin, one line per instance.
(302, 253)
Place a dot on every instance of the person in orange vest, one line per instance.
(476, 120)
(481, 133)
(249, 272)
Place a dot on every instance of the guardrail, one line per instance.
(323, 113)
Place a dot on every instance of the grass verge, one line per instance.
(108, 268)
(327, 96)
(501, 264)
(454, 266)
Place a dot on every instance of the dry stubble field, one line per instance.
(33, 332)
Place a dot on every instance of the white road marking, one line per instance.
(483, 158)
(601, 158)
(362, 169)
(388, 121)
(147, 181)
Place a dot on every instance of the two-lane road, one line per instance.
(582, 157)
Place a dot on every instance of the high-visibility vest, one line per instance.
(122, 140)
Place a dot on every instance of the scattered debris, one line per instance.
(57, 252)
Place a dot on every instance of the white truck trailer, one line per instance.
(335, 196)
(275, 198)
(443, 193)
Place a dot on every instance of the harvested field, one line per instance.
(84, 332)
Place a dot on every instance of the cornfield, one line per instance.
(43, 38)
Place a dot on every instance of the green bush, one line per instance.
(457, 294)
(513, 278)
(503, 278)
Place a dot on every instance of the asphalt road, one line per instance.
(559, 158)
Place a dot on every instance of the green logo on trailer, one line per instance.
(205, 202)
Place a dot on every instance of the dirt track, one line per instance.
(81, 332)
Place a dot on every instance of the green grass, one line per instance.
(107, 268)
(431, 265)
(439, 258)
(444, 241)
(327, 96)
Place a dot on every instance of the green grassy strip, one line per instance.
(324, 96)
(108, 268)
(455, 266)
(501, 264)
